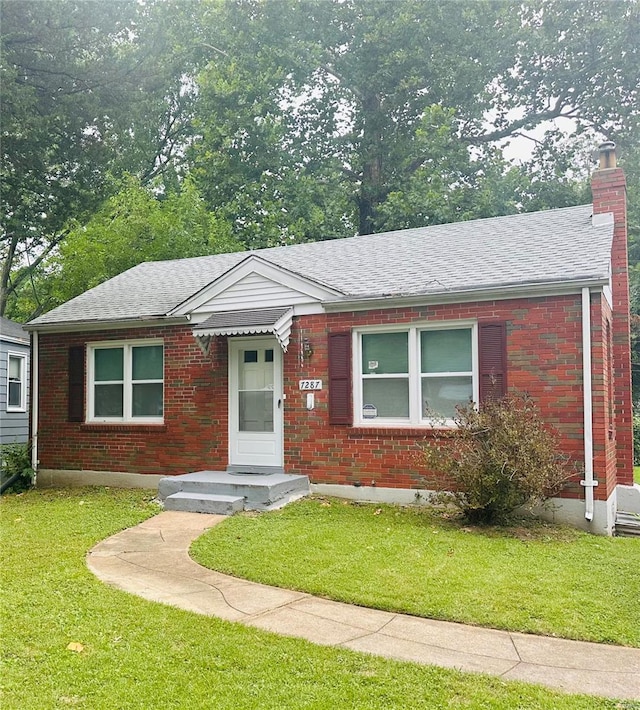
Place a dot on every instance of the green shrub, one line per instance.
(500, 457)
(16, 459)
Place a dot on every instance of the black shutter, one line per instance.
(76, 383)
(493, 360)
(340, 378)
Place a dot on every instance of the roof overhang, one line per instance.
(275, 321)
(15, 340)
(502, 293)
(93, 325)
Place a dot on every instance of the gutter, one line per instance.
(35, 401)
(490, 293)
(17, 341)
(588, 482)
(95, 325)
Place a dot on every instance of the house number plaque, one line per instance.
(310, 385)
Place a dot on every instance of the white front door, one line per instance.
(255, 402)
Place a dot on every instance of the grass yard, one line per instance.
(535, 578)
(133, 654)
(636, 474)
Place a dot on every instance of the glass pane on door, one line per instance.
(256, 411)
(255, 390)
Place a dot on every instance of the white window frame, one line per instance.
(127, 382)
(416, 418)
(22, 357)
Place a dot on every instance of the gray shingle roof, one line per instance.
(500, 252)
(13, 330)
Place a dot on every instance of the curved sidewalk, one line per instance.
(152, 560)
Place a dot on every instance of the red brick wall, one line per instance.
(194, 432)
(608, 187)
(604, 421)
(544, 344)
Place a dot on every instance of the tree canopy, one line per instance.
(291, 120)
(133, 226)
(90, 90)
(394, 112)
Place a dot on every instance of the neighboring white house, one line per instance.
(14, 382)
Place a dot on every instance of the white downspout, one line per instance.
(588, 482)
(34, 405)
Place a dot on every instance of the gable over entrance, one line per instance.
(256, 283)
(253, 298)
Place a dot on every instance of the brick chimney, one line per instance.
(609, 193)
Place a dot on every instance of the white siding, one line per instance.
(255, 291)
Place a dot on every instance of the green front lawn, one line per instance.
(535, 578)
(137, 655)
(636, 474)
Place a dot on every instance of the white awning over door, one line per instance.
(259, 321)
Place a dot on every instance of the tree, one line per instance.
(90, 90)
(133, 226)
(629, 152)
(300, 119)
(396, 109)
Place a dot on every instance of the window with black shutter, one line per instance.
(416, 375)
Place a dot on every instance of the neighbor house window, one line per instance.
(126, 381)
(17, 383)
(416, 375)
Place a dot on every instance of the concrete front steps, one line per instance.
(628, 524)
(227, 492)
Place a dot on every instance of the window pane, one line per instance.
(109, 364)
(389, 397)
(108, 401)
(147, 400)
(15, 394)
(147, 362)
(250, 356)
(441, 395)
(446, 350)
(15, 368)
(256, 376)
(256, 411)
(384, 353)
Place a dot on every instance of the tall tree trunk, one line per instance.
(5, 274)
(372, 186)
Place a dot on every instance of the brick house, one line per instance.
(328, 359)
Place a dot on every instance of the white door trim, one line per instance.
(255, 448)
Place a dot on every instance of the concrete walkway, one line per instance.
(152, 561)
